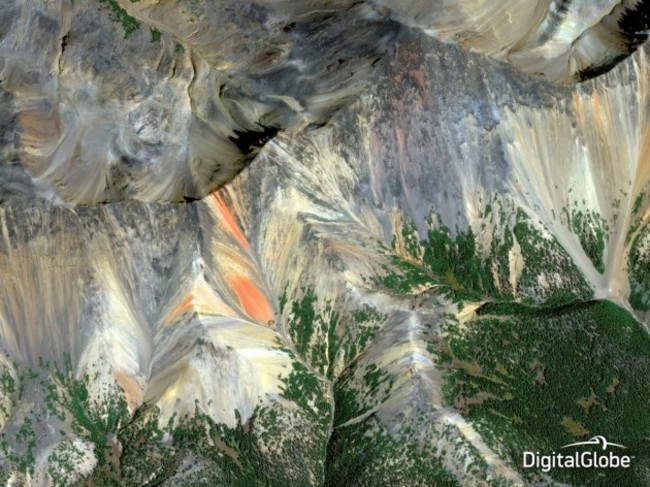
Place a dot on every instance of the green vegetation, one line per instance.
(361, 453)
(638, 265)
(540, 379)
(458, 262)
(20, 453)
(512, 309)
(537, 373)
(63, 460)
(411, 240)
(118, 14)
(66, 399)
(155, 34)
(305, 323)
(301, 325)
(328, 339)
(359, 389)
(365, 454)
(308, 392)
(466, 269)
(638, 202)
(593, 233)
(206, 453)
(8, 391)
(405, 277)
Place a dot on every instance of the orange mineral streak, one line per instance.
(252, 300)
(204, 301)
(229, 220)
(189, 302)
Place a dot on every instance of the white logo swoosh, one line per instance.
(596, 440)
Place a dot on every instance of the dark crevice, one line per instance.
(633, 29)
(64, 43)
(635, 24)
(598, 70)
(248, 140)
(289, 27)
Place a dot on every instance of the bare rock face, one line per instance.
(435, 261)
(106, 100)
(565, 40)
(160, 111)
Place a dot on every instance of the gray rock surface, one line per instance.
(317, 319)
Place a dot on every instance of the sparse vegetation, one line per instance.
(593, 233)
(155, 34)
(638, 265)
(537, 373)
(466, 270)
(121, 16)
